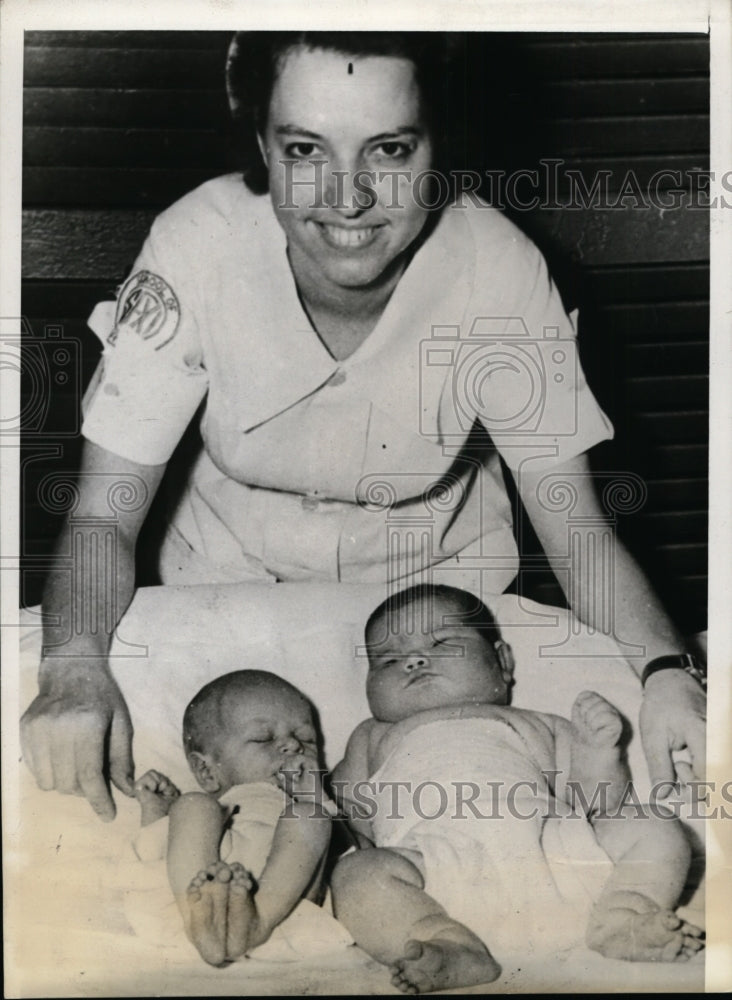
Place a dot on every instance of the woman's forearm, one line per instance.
(621, 603)
(87, 590)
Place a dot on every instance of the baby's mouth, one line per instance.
(421, 676)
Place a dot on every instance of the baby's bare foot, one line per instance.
(442, 964)
(595, 720)
(156, 793)
(638, 930)
(208, 903)
(242, 913)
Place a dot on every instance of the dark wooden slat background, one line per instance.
(120, 124)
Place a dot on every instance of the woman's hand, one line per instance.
(77, 731)
(673, 716)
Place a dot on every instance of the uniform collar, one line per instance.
(288, 362)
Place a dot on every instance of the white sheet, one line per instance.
(67, 934)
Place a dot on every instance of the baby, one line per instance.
(439, 881)
(251, 742)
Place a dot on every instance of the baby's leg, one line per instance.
(220, 910)
(156, 794)
(597, 761)
(634, 918)
(378, 895)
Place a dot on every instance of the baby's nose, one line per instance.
(415, 661)
(291, 744)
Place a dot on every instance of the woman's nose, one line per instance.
(415, 661)
(350, 192)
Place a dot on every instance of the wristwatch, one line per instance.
(690, 664)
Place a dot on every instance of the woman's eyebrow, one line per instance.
(413, 130)
(296, 130)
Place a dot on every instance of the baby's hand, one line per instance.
(156, 793)
(595, 720)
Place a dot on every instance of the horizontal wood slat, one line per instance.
(625, 97)
(124, 149)
(652, 393)
(632, 135)
(72, 187)
(691, 427)
(62, 298)
(85, 243)
(95, 67)
(183, 109)
(680, 526)
(128, 39)
(667, 494)
(617, 56)
(682, 558)
(596, 237)
(625, 284)
(668, 359)
(670, 460)
(655, 321)
(82, 244)
(179, 108)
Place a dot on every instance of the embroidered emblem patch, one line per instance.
(147, 306)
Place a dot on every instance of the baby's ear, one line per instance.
(505, 660)
(205, 771)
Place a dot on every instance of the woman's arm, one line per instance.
(77, 731)
(673, 715)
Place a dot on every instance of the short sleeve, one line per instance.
(522, 375)
(151, 379)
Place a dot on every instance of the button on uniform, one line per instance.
(338, 377)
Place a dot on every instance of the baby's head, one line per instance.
(248, 726)
(432, 646)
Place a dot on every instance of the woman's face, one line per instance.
(332, 116)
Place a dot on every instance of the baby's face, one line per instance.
(418, 660)
(267, 732)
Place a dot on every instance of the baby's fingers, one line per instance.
(150, 782)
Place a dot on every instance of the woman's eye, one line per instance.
(301, 150)
(260, 739)
(393, 150)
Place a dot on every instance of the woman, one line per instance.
(353, 347)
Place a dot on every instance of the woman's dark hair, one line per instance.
(255, 58)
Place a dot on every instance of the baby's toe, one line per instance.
(413, 949)
(671, 921)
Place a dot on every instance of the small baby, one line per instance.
(435, 884)
(251, 743)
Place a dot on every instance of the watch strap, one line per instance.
(687, 662)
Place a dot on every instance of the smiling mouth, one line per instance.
(341, 237)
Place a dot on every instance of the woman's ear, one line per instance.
(205, 771)
(505, 660)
